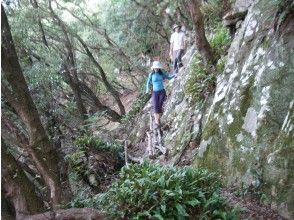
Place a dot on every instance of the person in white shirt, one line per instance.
(177, 46)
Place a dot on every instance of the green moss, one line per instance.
(220, 66)
(210, 129)
(213, 161)
(241, 161)
(246, 97)
(214, 158)
(266, 43)
(183, 137)
(234, 128)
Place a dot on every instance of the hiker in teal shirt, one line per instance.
(156, 78)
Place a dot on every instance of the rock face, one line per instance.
(248, 132)
(244, 130)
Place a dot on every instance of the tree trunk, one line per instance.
(202, 44)
(70, 66)
(109, 87)
(41, 149)
(70, 214)
(226, 7)
(17, 187)
(22, 142)
(73, 83)
(111, 114)
(7, 209)
(35, 5)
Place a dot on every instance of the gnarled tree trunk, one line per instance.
(205, 50)
(70, 214)
(17, 187)
(17, 93)
(105, 81)
(27, 205)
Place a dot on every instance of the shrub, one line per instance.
(201, 81)
(82, 199)
(93, 142)
(152, 191)
(220, 40)
(111, 156)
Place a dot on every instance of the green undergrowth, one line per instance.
(220, 40)
(201, 81)
(202, 78)
(153, 191)
(86, 145)
(88, 141)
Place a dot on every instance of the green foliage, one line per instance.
(138, 25)
(78, 159)
(220, 66)
(81, 200)
(201, 81)
(87, 142)
(220, 40)
(163, 192)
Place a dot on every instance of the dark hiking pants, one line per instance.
(177, 60)
(158, 98)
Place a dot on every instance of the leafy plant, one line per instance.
(78, 160)
(201, 81)
(81, 200)
(220, 40)
(86, 141)
(164, 192)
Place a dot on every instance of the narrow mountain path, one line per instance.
(253, 209)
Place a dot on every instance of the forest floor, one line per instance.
(127, 99)
(253, 209)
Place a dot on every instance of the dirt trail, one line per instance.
(253, 209)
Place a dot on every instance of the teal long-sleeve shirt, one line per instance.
(156, 80)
